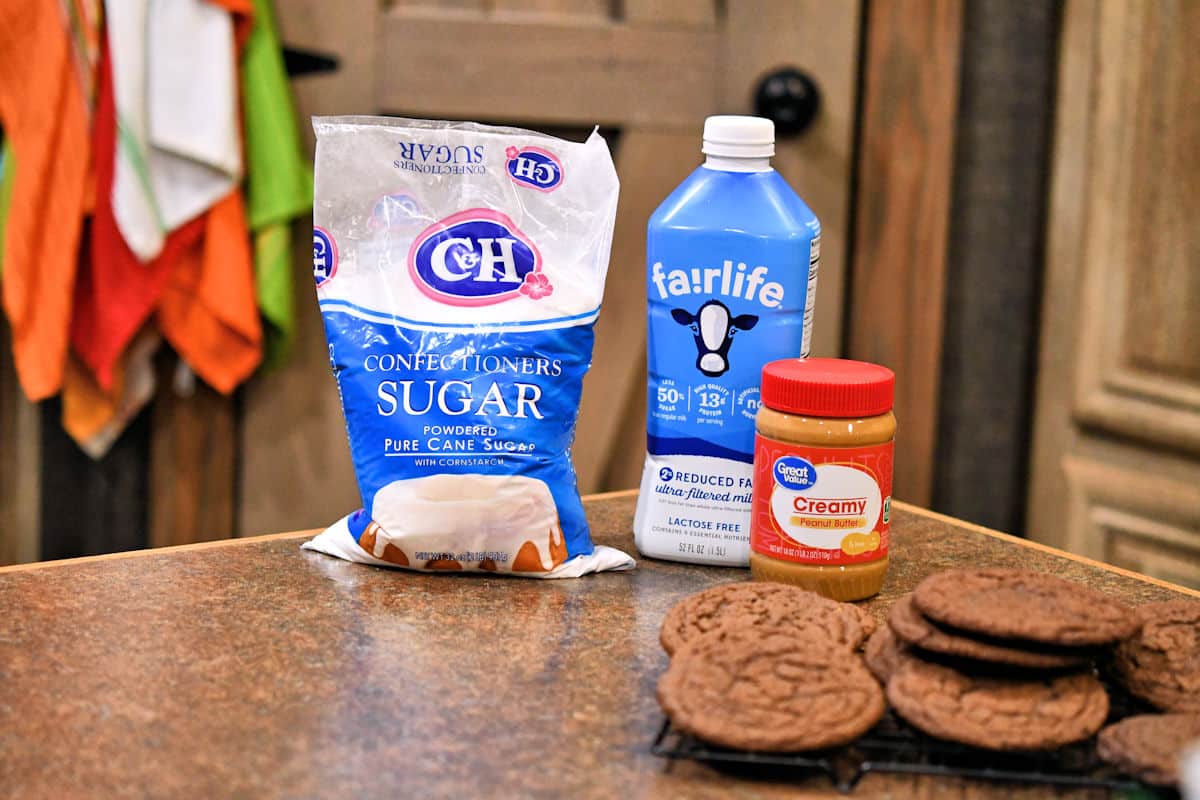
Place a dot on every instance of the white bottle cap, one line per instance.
(739, 137)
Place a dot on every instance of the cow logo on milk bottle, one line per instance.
(731, 272)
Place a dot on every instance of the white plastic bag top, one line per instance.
(443, 168)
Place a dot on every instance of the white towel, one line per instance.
(178, 145)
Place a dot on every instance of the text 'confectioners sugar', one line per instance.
(459, 270)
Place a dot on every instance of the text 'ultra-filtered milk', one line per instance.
(459, 269)
(732, 269)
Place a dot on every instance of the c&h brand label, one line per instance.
(325, 256)
(534, 167)
(476, 257)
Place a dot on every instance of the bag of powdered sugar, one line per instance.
(459, 271)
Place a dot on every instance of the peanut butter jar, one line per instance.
(823, 476)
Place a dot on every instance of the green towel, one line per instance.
(278, 178)
(7, 169)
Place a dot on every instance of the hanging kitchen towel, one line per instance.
(93, 416)
(177, 113)
(243, 19)
(44, 116)
(115, 294)
(208, 310)
(273, 285)
(278, 177)
(84, 24)
(7, 168)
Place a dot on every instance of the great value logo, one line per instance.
(795, 473)
(534, 167)
(476, 257)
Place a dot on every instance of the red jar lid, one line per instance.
(828, 387)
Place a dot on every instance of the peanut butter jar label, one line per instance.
(821, 505)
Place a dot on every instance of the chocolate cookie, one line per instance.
(865, 619)
(765, 606)
(768, 691)
(1161, 662)
(885, 653)
(915, 629)
(1021, 604)
(1148, 746)
(998, 713)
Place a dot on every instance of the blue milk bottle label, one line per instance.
(721, 304)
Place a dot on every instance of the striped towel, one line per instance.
(178, 141)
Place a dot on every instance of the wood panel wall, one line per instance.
(194, 461)
(20, 465)
(90, 507)
(275, 456)
(910, 74)
(295, 469)
(1116, 461)
(651, 74)
(995, 261)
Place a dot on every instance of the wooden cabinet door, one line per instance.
(1116, 469)
(648, 72)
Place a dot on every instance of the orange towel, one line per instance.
(209, 311)
(43, 112)
(86, 407)
(94, 417)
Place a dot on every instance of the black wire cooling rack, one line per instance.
(894, 746)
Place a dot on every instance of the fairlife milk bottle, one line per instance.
(731, 273)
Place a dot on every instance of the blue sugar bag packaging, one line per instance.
(459, 270)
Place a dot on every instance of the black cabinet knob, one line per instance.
(789, 98)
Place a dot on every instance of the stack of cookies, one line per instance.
(1005, 659)
(1161, 665)
(1000, 659)
(768, 667)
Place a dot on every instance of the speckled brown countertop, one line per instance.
(254, 669)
